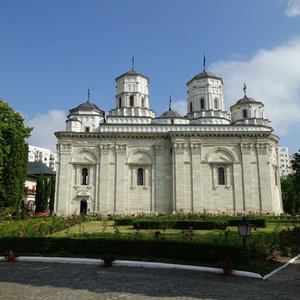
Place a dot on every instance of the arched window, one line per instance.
(221, 176)
(245, 113)
(140, 176)
(120, 102)
(216, 103)
(84, 176)
(131, 100)
(202, 106)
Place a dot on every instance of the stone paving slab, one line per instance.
(55, 281)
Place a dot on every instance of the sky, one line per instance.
(53, 51)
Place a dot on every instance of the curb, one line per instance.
(130, 263)
(282, 267)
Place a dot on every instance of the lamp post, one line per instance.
(244, 228)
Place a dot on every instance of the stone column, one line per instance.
(64, 184)
(121, 177)
(196, 204)
(103, 187)
(160, 186)
(179, 180)
(247, 191)
(264, 177)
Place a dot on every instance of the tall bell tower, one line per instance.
(132, 97)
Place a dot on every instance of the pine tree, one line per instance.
(39, 193)
(13, 156)
(52, 194)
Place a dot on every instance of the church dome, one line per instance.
(246, 100)
(86, 106)
(170, 114)
(132, 72)
(203, 75)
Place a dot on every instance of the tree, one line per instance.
(39, 193)
(296, 168)
(52, 194)
(43, 191)
(289, 195)
(13, 156)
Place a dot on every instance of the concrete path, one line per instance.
(36, 280)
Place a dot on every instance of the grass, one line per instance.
(108, 229)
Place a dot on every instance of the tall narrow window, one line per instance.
(131, 100)
(191, 106)
(221, 176)
(216, 103)
(84, 176)
(245, 113)
(275, 175)
(120, 102)
(140, 176)
(202, 106)
(143, 102)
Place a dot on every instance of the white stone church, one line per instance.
(133, 161)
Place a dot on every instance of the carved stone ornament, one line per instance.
(262, 148)
(65, 149)
(179, 148)
(195, 149)
(246, 148)
(104, 149)
(121, 149)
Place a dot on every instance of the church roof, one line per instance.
(35, 168)
(86, 106)
(246, 99)
(130, 73)
(170, 114)
(205, 74)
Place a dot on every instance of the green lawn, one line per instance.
(98, 228)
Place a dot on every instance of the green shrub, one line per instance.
(95, 247)
(179, 224)
(257, 222)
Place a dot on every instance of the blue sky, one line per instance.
(52, 51)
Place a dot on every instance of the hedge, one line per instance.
(96, 247)
(182, 224)
(257, 222)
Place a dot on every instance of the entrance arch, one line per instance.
(83, 207)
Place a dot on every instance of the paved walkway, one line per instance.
(35, 280)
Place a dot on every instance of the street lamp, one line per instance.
(244, 228)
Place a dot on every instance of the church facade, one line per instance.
(132, 161)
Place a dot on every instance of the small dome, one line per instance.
(132, 73)
(205, 75)
(246, 100)
(170, 114)
(86, 106)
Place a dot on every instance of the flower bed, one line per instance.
(38, 226)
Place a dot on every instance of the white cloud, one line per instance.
(273, 77)
(180, 107)
(44, 126)
(293, 8)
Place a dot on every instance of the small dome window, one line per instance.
(245, 113)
